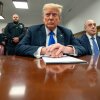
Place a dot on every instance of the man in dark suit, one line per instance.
(86, 41)
(36, 41)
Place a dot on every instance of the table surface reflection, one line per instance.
(25, 78)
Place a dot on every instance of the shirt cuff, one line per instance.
(37, 53)
(75, 51)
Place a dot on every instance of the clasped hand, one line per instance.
(56, 50)
(16, 39)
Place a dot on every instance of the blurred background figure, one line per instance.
(14, 32)
(2, 42)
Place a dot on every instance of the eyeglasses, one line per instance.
(49, 14)
(92, 24)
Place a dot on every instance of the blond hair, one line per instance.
(53, 5)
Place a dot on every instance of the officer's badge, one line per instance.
(21, 26)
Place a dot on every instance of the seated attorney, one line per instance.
(36, 41)
(89, 40)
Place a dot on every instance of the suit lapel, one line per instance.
(60, 37)
(86, 40)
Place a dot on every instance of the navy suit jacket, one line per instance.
(36, 37)
(84, 41)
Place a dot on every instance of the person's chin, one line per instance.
(93, 33)
(51, 26)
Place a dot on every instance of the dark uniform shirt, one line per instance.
(13, 30)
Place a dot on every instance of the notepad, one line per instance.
(64, 59)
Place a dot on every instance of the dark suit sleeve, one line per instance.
(71, 40)
(84, 41)
(26, 47)
(34, 38)
(80, 48)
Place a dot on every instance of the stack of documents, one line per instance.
(64, 59)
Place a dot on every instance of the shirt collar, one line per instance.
(48, 31)
(89, 36)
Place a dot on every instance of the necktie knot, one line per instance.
(92, 38)
(51, 33)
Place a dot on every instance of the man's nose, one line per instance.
(51, 16)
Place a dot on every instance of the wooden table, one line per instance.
(25, 78)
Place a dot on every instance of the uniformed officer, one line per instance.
(14, 32)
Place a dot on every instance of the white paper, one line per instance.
(65, 59)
